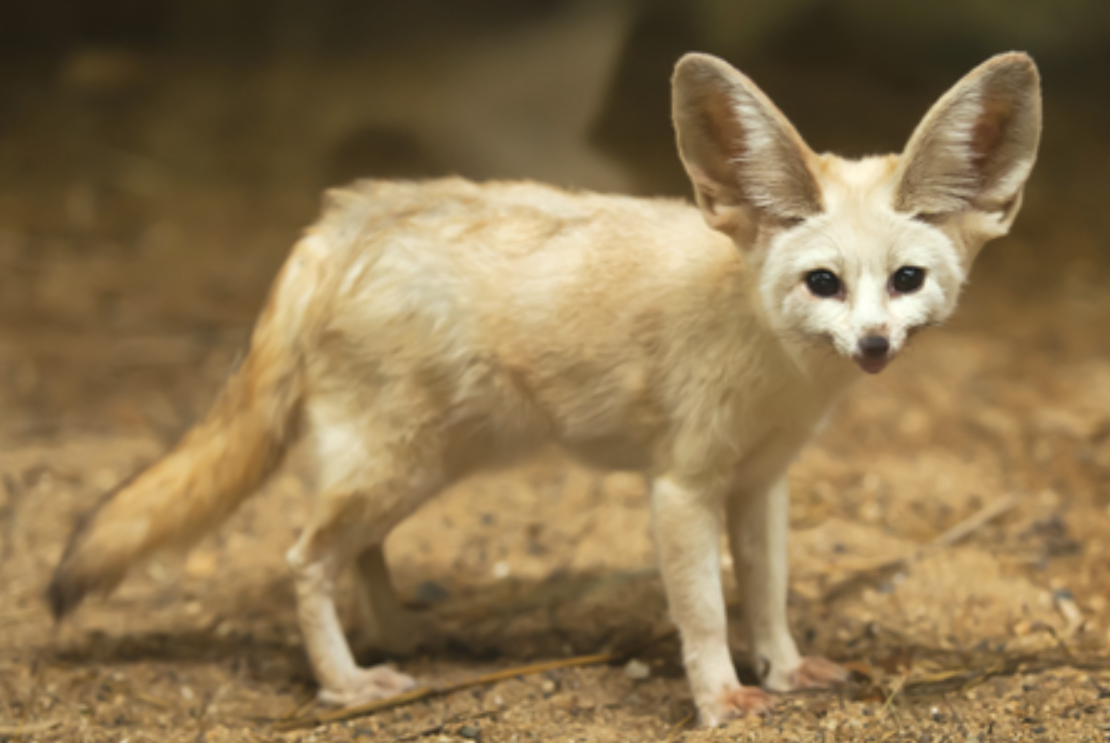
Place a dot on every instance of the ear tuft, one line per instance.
(975, 148)
(742, 155)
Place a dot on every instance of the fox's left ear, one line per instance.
(974, 150)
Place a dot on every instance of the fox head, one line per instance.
(859, 254)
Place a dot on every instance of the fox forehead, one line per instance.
(856, 186)
(859, 223)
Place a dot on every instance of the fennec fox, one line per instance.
(422, 331)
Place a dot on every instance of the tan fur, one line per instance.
(425, 330)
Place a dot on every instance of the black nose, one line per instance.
(874, 346)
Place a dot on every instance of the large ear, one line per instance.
(744, 158)
(975, 148)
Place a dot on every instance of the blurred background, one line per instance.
(159, 158)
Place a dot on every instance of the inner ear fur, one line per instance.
(975, 148)
(744, 158)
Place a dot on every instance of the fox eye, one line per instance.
(907, 279)
(823, 283)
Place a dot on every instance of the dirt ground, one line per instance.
(140, 224)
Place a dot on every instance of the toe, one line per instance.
(734, 704)
(391, 681)
(817, 673)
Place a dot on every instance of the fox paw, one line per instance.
(815, 673)
(368, 685)
(734, 704)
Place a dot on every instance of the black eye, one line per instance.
(907, 279)
(823, 283)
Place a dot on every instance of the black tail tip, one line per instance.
(63, 595)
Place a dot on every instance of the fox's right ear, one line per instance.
(745, 159)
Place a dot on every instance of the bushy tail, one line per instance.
(216, 466)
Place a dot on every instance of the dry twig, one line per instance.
(957, 533)
(429, 692)
(678, 727)
(27, 728)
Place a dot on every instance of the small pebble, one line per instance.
(501, 569)
(430, 592)
(470, 732)
(637, 670)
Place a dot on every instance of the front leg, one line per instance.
(687, 528)
(759, 522)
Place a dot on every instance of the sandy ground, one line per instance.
(138, 231)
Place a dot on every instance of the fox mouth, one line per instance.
(871, 364)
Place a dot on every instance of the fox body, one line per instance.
(420, 331)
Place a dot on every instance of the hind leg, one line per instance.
(364, 494)
(342, 682)
(387, 626)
